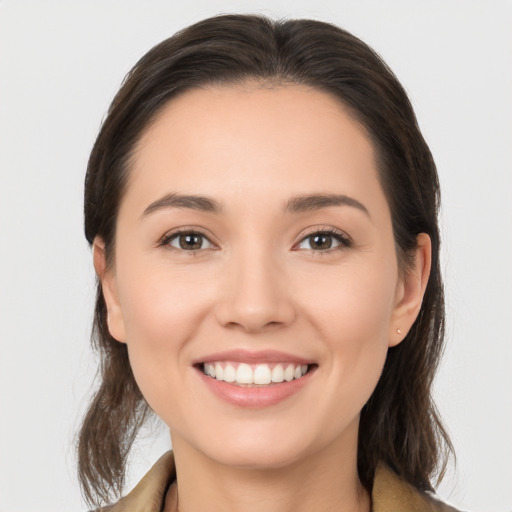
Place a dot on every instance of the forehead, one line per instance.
(250, 140)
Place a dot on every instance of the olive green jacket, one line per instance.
(389, 494)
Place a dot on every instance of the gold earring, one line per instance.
(399, 331)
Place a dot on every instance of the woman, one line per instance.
(263, 215)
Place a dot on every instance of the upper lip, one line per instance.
(248, 356)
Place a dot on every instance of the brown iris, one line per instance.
(320, 241)
(190, 241)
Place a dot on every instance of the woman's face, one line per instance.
(254, 242)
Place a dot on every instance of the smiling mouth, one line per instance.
(254, 375)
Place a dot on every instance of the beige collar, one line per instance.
(389, 494)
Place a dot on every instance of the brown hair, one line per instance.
(399, 425)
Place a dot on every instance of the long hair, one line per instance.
(399, 424)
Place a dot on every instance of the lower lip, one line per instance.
(255, 397)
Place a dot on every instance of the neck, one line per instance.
(326, 480)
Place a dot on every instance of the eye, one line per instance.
(324, 241)
(188, 241)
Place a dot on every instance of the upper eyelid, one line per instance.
(325, 229)
(343, 240)
(187, 229)
(332, 231)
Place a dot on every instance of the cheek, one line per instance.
(352, 305)
(162, 303)
(162, 312)
(352, 311)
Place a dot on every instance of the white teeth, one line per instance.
(210, 370)
(278, 373)
(244, 374)
(219, 372)
(289, 373)
(229, 373)
(261, 375)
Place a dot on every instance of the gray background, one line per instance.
(61, 63)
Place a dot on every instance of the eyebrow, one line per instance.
(174, 200)
(296, 204)
(318, 201)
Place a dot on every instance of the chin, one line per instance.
(263, 449)
(256, 457)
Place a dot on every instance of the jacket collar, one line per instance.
(389, 494)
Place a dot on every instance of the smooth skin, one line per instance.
(257, 279)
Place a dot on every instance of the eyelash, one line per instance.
(339, 236)
(166, 239)
(344, 240)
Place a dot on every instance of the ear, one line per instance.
(410, 290)
(115, 319)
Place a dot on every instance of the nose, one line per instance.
(256, 296)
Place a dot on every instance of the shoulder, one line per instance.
(392, 494)
(149, 494)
